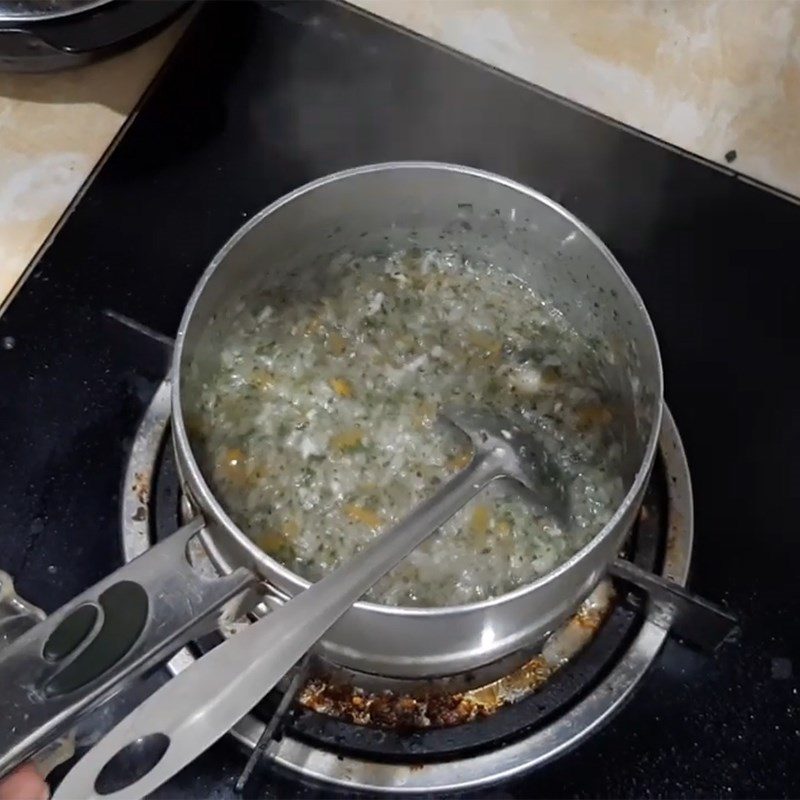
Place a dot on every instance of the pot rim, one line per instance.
(206, 498)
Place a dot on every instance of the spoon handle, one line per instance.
(189, 713)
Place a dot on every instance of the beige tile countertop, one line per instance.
(54, 128)
(714, 77)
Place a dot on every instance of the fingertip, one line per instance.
(24, 783)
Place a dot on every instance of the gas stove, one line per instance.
(262, 97)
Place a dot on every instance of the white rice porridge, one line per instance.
(319, 428)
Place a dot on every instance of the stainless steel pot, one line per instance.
(364, 210)
(488, 218)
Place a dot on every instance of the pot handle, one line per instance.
(188, 714)
(128, 622)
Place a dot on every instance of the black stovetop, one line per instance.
(260, 98)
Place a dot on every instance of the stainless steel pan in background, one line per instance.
(152, 606)
(39, 36)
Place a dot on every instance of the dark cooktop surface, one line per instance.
(260, 98)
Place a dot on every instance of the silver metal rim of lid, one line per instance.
(539, 747)
(27, 11)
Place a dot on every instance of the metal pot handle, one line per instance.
(130, 621)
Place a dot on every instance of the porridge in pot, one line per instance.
(318, 428)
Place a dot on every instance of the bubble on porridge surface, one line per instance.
(319, 426)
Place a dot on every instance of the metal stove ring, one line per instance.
(541, 746)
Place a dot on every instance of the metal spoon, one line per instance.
(188, 714)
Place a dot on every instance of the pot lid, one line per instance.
(43, 10)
